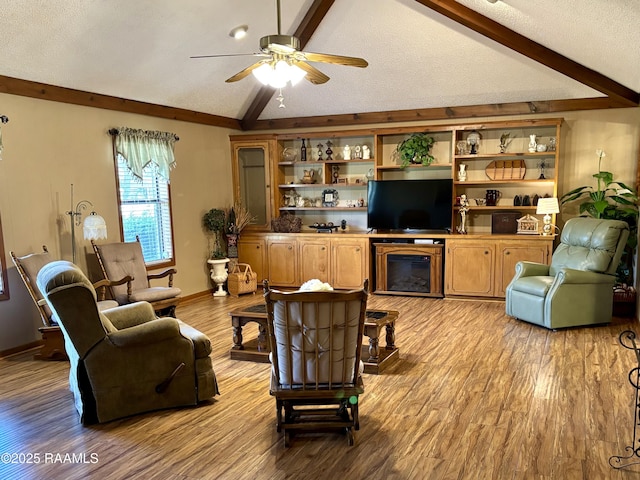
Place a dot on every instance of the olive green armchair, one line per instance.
(577, 288)
(124, 360)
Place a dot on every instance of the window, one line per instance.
(145, 212)
(143, 161)
(4, 286)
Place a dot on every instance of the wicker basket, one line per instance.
(242, 280)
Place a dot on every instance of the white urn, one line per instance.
(219, 274)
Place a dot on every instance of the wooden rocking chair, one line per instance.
(28, 267)
(316, 340)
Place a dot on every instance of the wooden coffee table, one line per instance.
(375, 359)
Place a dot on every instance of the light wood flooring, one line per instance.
(474, 395)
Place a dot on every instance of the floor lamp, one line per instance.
(94, 226)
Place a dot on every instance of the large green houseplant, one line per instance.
(416, 149)
(610, 200)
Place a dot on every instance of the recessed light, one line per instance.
(492, 1)
(239, 32)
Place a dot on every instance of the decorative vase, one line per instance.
(462, 172)
(219, 274)
(232, 245)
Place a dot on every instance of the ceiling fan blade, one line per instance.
(314, 75)
(338, 59)
(244, 73)
(232, 55)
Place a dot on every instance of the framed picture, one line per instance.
(329, 197)
(343, 181)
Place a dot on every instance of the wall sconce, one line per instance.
(94, 226)
(546, 207)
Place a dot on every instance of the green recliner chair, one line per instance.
(577, 288)
(124, 360)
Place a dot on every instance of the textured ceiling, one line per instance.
(139, 50)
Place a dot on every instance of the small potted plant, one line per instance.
(214, 222)
(416, 149)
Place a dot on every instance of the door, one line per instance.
(314, 259)
(510, 253)
(252, 251)
(349, 263)
(283, 262)
(469, 268)
(252, 179)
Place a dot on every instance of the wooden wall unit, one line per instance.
(476, 265)
(343, 260)
(483, 267)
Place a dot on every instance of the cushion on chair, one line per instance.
(305, 340)
(538, 286)
(125, 259)
(153, 294)
(588, 244)
(31, 265)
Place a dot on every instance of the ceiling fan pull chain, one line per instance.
(280, 98)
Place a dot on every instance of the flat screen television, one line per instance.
(409, 204)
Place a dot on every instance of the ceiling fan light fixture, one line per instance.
(239, 32)
(278, 73)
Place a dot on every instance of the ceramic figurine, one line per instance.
(366, 153)
(464, 208)
(346, 152)
(532, 144)
(329, 152)
(319, 146)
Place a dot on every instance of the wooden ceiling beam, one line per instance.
(441, 113)
(305, 30)
(43, 91)
(533, 50)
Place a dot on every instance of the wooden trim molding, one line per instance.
(440, 113)
(43, 91)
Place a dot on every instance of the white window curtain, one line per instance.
(140, 147)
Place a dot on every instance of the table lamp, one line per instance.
(547, 206)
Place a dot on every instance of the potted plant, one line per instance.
(416, 149)
(237, 217)
(214, 222)
(616, 201)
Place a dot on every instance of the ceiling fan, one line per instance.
(284, 61)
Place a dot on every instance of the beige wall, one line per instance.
(49, 145)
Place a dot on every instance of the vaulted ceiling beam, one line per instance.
(305, 30)
(541, 54)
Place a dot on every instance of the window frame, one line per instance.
(170, 262)
(4, 279)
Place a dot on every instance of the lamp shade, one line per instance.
(94, 227)
(547, 206)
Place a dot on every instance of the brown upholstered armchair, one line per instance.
(316, 340)
(124, 360)
(125, 258)
(28, 267)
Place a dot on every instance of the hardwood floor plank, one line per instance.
(475, 394)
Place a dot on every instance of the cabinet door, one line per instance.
(510, 253)
(283, 262)
(252, 179)
(469, 268)
(252, 251)
(349, 263)
(314, 259)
